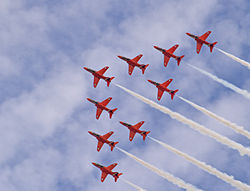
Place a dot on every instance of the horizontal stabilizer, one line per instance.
(144, 68)
(179, 59)
(117, 176)
(112, 145)
(212, 46)
(108, 80)
(111, 112)
(144, 134)
(173, 93)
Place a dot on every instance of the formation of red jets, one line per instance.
(133, 129)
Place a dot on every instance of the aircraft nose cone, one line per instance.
(119, 57)
(157, 48)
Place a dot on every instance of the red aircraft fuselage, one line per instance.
(162, 88)
(101, 140)
(106, 171)
(99, 75)
(200, 40)
(134, 62)
(169, 53)
(101, 107)
(165, 52)
(135, 129)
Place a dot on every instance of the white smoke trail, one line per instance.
(177, 181)
(133, 185)
(243, 62)
(194, 125)
(245, 93)
(230, 124)
(223, 176)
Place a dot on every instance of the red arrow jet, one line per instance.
(134, 62)
(169, 53)
(135, 129)
(202, 40)
(163, 87)
(103, 139)
(107, 170)
(102, 106)
(99, 75)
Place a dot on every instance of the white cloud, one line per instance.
(45, 128)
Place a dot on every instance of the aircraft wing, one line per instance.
(98, 112)
(104, 175)
(106, 136)
(99, 145)
(138, 125)
(131, 135)
(102, 71)
(110, 167)
(137, 58)
(166, 59)
(96, 80)
(198, 47)
(106, 101)
(160, 92)
(173, 48)
(130, 69)
(205, 35)
(166, 84)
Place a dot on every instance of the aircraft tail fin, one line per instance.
(144, 68)
(108, 80)
(117, 176)
(112, 145)
(173, 93)
(144, 134)
(179, 59)
(212, 46)
(111, 112)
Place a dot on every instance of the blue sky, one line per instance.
(45, 116)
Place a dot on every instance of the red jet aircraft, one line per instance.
(169, 53)
(202, 40)
(135, 129)
(163, 87)
(107, 170)
(134, 62)
(103, 139)
(102, 106)
(99, 75)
